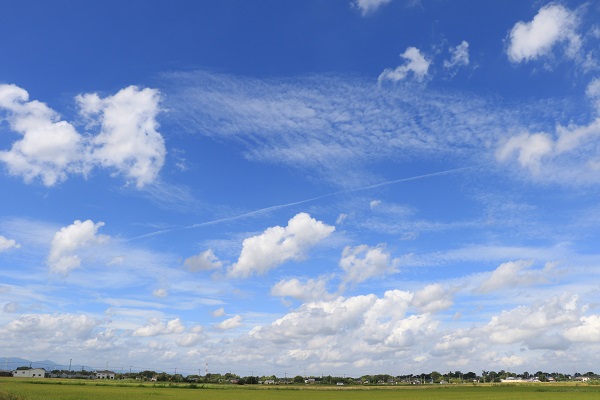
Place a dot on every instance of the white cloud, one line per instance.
(189, 339)
(363, 262)
(62, 257)
(528, 324)
(369, 6)
(374, 203)
(567, 157)
(53, 329)
(312, 289)
(433, 298)
(356, 331)
(49, 148)
(11, 307)
(128, 140)
(219, 312)
(230, 323)
(515, 273)
(156, 327)
(335, 126)
(204, 261)
(552, 24)
(593, 92)
(512, 361)
(341, 218)
(118, 260)
(416, 64)
(277, 245)
(536, 326)
(587, 331)
(161, 292)
(7, 244)
(460, 56)
(529, 148)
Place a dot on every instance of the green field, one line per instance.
(21, 389)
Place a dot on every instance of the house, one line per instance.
(29, 373)
(104, 375)
(581, 378)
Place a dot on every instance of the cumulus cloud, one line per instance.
(7, 244)
(156, 327)
(529, 149)
(128, 140)
(587, 331)
(527, 324)
(204, 261)
(363, 262)
(312, 289)
(369, 6)
(514, 273)
(50, 149)
(65, 243)
(353, 330)
(191, 338)
(459, 56)
(433, 298)
(537, 326)
(230, 323)
(415, 63)
(277, 245)
(552, 25)
(566, 156)
(57, 328)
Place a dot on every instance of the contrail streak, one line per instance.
(295, 203)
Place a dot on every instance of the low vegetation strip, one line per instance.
(11, 389)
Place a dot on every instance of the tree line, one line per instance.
(451, 377)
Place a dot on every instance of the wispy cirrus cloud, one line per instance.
(335, 126)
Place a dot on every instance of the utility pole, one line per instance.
(71, 360)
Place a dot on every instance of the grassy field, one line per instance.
(22, 389)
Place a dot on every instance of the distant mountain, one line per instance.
(12, 363)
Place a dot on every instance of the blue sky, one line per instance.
(301, 187)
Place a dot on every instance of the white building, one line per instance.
(104, 375)
(29, 373)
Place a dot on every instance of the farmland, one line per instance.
(18, 389)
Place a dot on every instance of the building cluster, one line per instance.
(42, 373)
